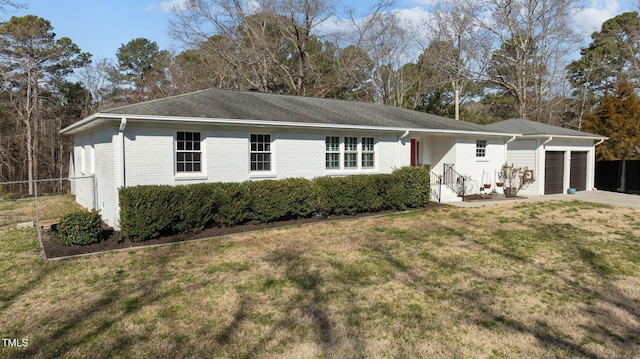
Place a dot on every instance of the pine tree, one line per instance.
(617, 117)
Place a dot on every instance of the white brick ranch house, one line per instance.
(232, 136)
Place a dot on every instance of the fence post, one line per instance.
(43, 255)
(35, 187)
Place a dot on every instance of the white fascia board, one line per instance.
(76, 127)
(594, 137)
(260, 123)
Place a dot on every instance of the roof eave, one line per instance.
(78, 126)
(594, 137)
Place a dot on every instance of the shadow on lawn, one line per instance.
(305, 316)
(127, 299)
(309, 305)
(603, 327)
(599, 307)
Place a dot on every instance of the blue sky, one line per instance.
(101, 27)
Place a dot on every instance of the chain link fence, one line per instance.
(41, 203)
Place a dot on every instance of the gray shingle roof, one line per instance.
(248, 105)
(531, 128)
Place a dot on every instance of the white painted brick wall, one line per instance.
(150, 156)
(107, 201)
(481, 169)
(299, 154)
(227, 155)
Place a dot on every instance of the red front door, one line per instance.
(413, 152)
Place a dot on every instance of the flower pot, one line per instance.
(510, 191)
(571, 190)
(487, 185)
(499, 184)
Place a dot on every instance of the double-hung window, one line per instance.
(260, 152)
(368, 152)
(351, 152)
(332, 157)
(188, 152)
(481, 148)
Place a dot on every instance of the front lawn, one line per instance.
(544, 279)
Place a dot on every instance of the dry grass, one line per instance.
(13, 211)
(546, 279)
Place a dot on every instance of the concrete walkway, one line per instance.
(606, 197)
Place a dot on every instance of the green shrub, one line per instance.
(273, 200)
(232, 204)
(80, 228)
(357, 194)
(416, 185)
(147, 212)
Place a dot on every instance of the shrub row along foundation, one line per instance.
(148, 212)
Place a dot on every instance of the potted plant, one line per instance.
(487, 185)
(514, 179)
(499, 184)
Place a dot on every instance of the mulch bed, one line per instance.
(489, 197)
(54, 249)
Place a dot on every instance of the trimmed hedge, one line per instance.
(417, 187)
(360, 193)
(281, 200)
(149, 211)
(80, 228)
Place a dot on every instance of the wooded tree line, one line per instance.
(496, 59)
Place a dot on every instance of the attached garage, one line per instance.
(554, 172)
(578, 171)
(560, 157)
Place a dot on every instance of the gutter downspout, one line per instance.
(405, 134)
(506, 150)
(398, 151)
(123, 178)
(540, 154)
(593, 185)
(123, 125)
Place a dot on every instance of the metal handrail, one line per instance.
(454, 180)
(436, 179)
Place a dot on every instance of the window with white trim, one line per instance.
(260, 152)
(351, 152)
(368, 152)
(332, 156)
(355, 152)
(481, 148)
(188, 151)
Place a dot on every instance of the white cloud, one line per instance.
(414, 16)
(594, 14)
(424, 2)
(174, 5)
(169, 6)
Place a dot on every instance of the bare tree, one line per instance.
(260, 40)
(95, 78)
(528, 48)
(6, 4)
(452, 58)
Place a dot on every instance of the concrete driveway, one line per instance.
(606, 197)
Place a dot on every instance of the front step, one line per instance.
(446, 194)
